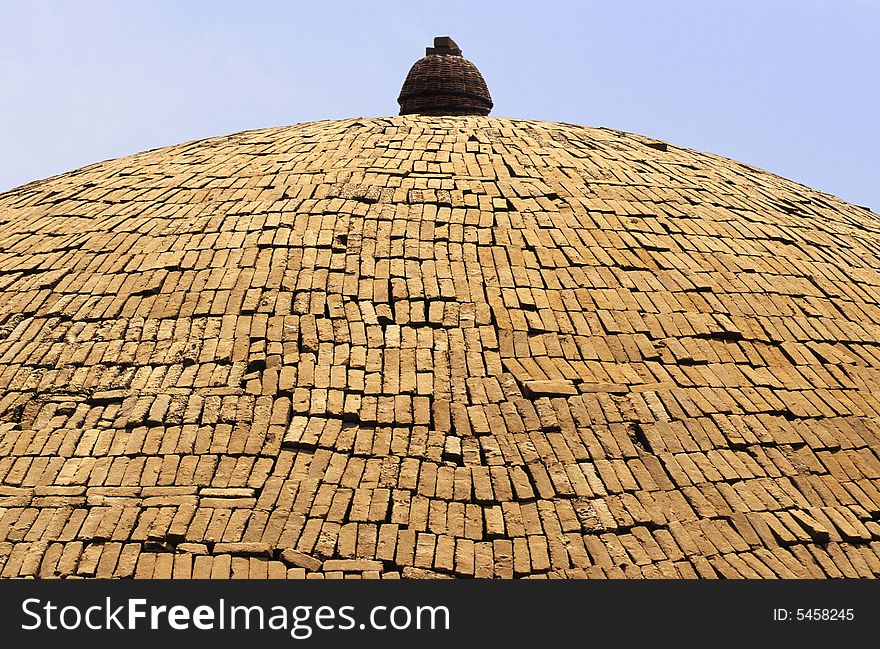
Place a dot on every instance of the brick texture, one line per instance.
(436, 346)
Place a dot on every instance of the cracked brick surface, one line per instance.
(430, 347)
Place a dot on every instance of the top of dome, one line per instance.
(444, 83)
(419, 346)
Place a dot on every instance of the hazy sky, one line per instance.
(792, 86)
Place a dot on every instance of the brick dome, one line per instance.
(444, 83)
(437, 346)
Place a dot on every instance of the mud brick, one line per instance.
(193, 548)
(360, 504)
(221, 567)
(418, 513)
(227, 503)
(276, 570)
(69, 558)
(482, 485)
(367, 538)
(49, 560)
(127, 560)
(255, 549)
(239, 568)
(386, 544)
(424, 552)
(299, 559)
(444, 487)
(437, 519)
(405, 551)
(145, 565)
(464, 558)
(541, 479)
(473, 522)
(444, 553)
(548, 388)
(539, 553)
(88, 562)
(484, 562)
(183, 566)
(346, 542)
(378, 510)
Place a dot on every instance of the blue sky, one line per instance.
(788, 85)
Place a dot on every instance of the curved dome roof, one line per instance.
(443, 82)
(427, 346)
